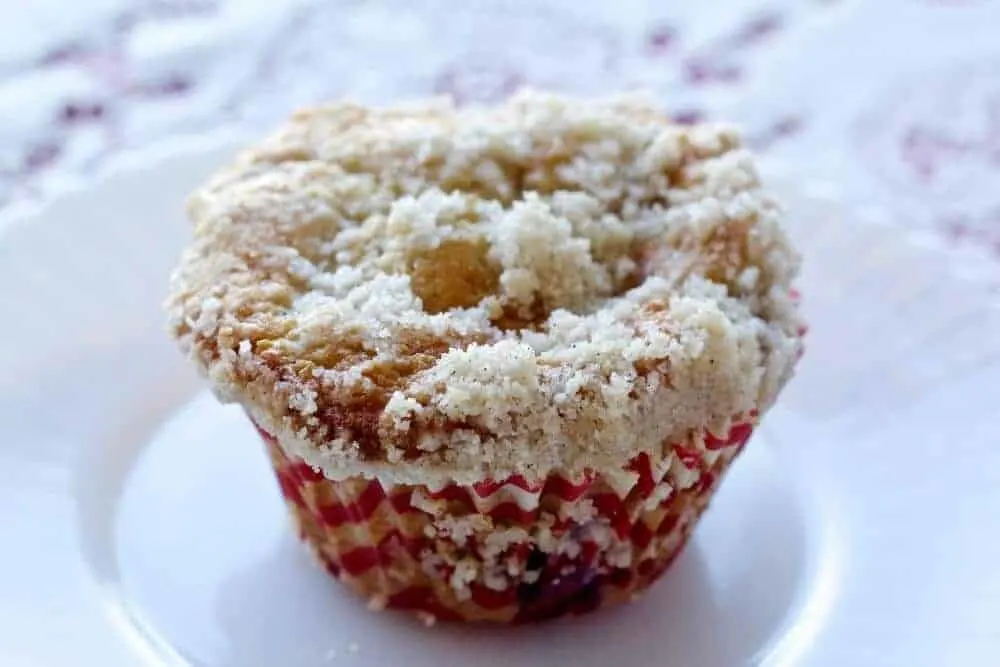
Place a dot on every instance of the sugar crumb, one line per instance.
(582, 275)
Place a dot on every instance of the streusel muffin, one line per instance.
(500, 357)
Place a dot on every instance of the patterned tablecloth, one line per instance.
(896, 102)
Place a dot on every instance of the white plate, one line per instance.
(141, 526)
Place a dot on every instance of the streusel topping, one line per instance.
(429, 294)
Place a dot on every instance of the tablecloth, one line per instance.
(896, 103)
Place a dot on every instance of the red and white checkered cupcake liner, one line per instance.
(508, 551)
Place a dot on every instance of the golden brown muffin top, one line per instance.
(428, 294)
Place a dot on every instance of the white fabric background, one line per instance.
(897, 102)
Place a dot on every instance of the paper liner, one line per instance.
(509, 551)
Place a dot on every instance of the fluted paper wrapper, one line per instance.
(507, 551)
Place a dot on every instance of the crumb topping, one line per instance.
(426, 293)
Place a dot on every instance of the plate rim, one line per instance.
(196, 147)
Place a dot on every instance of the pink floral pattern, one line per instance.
(150, 69)
(97, 79)
(935, 142)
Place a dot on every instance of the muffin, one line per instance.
(500, 357)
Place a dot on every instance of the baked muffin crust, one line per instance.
(426, 294)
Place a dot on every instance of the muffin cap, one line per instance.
(427, 294)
